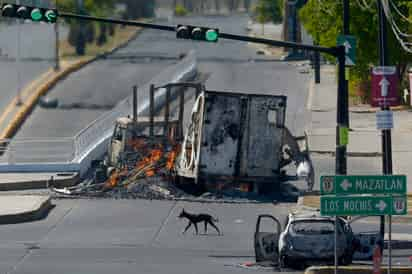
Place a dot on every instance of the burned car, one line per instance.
(305, 238)
(310, 237)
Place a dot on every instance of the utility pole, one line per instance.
(19, 100)
(56, 37)
(343, 120)
(343, 107)
(386, 134)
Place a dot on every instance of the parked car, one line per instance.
(305, 238)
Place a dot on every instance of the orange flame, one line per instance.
(115, 177)
(150, 161)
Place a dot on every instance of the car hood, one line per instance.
(316, 244)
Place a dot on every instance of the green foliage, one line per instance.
(268, 10)
(323, 20)
(180, 10)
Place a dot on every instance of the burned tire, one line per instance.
(346, 259)
(283, 261)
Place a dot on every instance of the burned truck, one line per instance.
(231, 141)
(239, 140)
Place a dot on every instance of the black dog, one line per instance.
(198, 218)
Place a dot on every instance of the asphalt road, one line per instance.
(36, 53)
(101, 84)
(131, 236)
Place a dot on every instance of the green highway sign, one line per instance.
(349, 42)
(363, 184)
(363, 205)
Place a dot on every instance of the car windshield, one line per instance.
(312, 227)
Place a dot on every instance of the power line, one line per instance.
(389, 17)
(399, 12)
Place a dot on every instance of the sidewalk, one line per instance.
(19, 209)
(23, 181)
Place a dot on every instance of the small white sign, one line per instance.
(384, 119)
(384, 70)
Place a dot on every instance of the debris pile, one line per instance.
(146, 170)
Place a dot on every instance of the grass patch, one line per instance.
(122, 35)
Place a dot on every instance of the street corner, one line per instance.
(354, 269)
(16, 209)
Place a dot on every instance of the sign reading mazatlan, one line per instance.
(363, 184)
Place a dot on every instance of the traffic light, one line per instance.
(31, 13)
(197, 33)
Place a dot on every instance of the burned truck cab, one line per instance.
(240, 139)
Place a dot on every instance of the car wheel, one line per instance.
(283, 261)
(346, 259)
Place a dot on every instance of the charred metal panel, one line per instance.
(263, 141)
(220, 136)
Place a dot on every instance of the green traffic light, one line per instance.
(51, 16)
(36, 14)
(212, 35)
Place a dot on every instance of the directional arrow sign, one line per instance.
(385, 87)
(384, 84)
(349, 42)
(363, 184)
(363, 205)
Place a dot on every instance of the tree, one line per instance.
(262, 14)
(83, 32)
(268, 10)
(323, 20)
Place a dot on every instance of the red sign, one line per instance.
(385, 85)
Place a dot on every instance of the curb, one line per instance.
(40, 184)
(39, 213)
(44, 88)
(355, 269)
(350, 154)
(374, 110)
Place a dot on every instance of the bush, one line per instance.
(180, 10)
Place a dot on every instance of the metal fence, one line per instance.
(75, 149)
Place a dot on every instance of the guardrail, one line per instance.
(91, 142)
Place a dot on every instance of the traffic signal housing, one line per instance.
(30, 13)
(197, 33)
